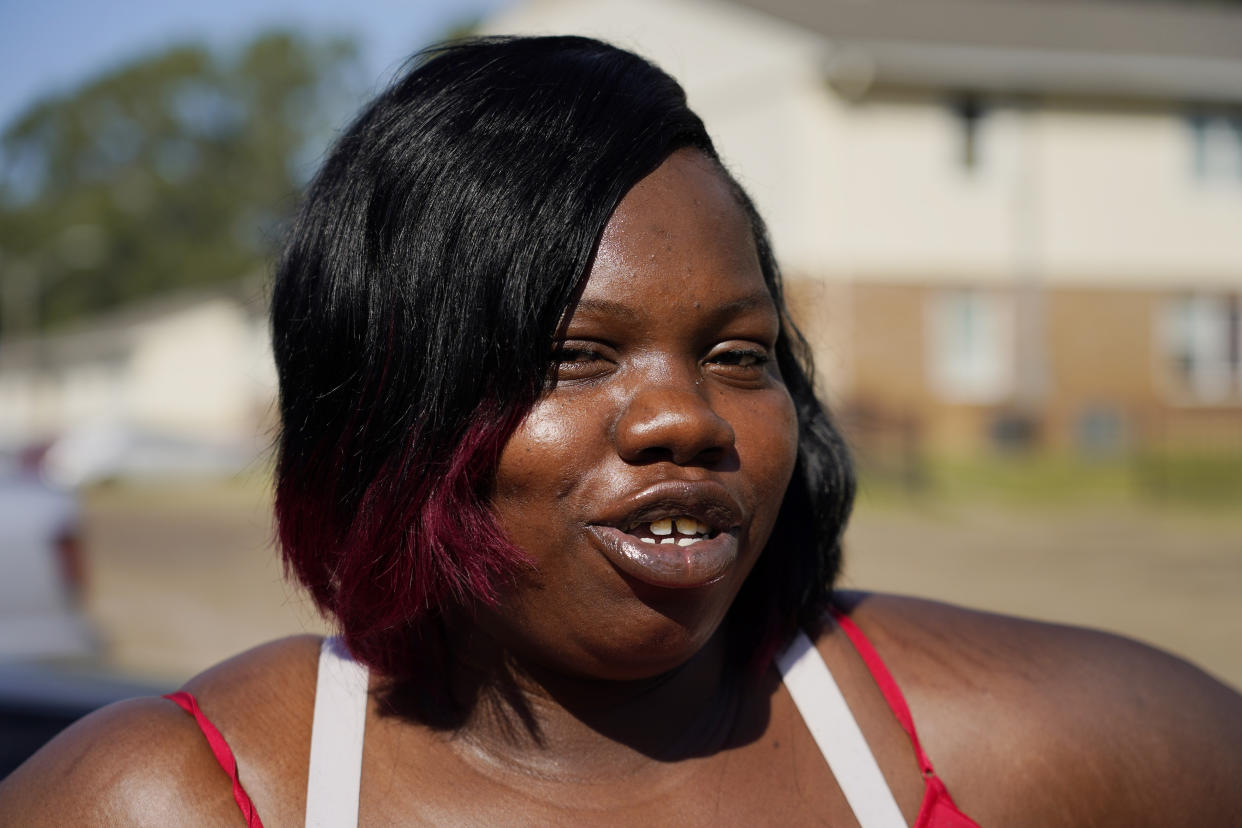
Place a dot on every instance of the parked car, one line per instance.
(42, 573)
(50, 673)
(103, 451)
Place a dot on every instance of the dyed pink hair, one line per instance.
(422, 539)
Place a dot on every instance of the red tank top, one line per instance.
(223, 754)
(937, 809)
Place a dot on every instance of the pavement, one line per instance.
(181, 578)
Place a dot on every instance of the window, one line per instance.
(1203, 344)
(1216, 146)
(970, 348)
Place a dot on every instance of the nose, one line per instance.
(678, 424)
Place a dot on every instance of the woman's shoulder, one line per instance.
(1085, 722)
(145, 761)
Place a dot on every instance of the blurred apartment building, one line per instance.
(180, 385)
(1002, 222)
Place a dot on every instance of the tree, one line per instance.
(175, 170)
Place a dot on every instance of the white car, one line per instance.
(41, 571)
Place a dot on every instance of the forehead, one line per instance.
(678, 236)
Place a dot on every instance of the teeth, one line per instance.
(647, 540)
(685, 525)
(688, 541)
(689, 526)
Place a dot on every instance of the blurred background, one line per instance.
(1011, 229)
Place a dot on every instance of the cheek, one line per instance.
(536, 461)
(771, 429)
(785, 439)
(768, 444)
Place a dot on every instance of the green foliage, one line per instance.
(468, 27)
(174, 170)
(1167, 478)
(1192, 476)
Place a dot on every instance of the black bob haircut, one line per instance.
(413, 318)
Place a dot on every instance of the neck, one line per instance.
(524, 718)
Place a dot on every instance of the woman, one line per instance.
(552, 460)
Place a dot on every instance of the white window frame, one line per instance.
(970, 345)
(1216, 147)
(1201, 345)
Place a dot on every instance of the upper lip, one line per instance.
(704, 500)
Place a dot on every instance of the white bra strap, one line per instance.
(818, 698)
(335, 774)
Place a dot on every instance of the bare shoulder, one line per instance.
(263, 688)
(139, 762)
(145, 762)
(1090, 727)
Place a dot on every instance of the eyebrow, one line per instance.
(601, 307)
(611, 307)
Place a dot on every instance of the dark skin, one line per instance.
(605, 698)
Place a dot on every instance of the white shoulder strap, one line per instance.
(337, 731)
(818, 698)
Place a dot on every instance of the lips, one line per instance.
(676, 534)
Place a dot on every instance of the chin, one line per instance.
(653, 646)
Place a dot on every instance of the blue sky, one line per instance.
(54, 45)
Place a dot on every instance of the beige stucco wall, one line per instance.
(203, 370)
(874, 191)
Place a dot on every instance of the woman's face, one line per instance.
(646, 480)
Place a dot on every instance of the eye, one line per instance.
(742, 358)
(575, 361)
(573, 356)
(739, 361)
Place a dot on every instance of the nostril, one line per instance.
(655, 454)
(709, 456)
